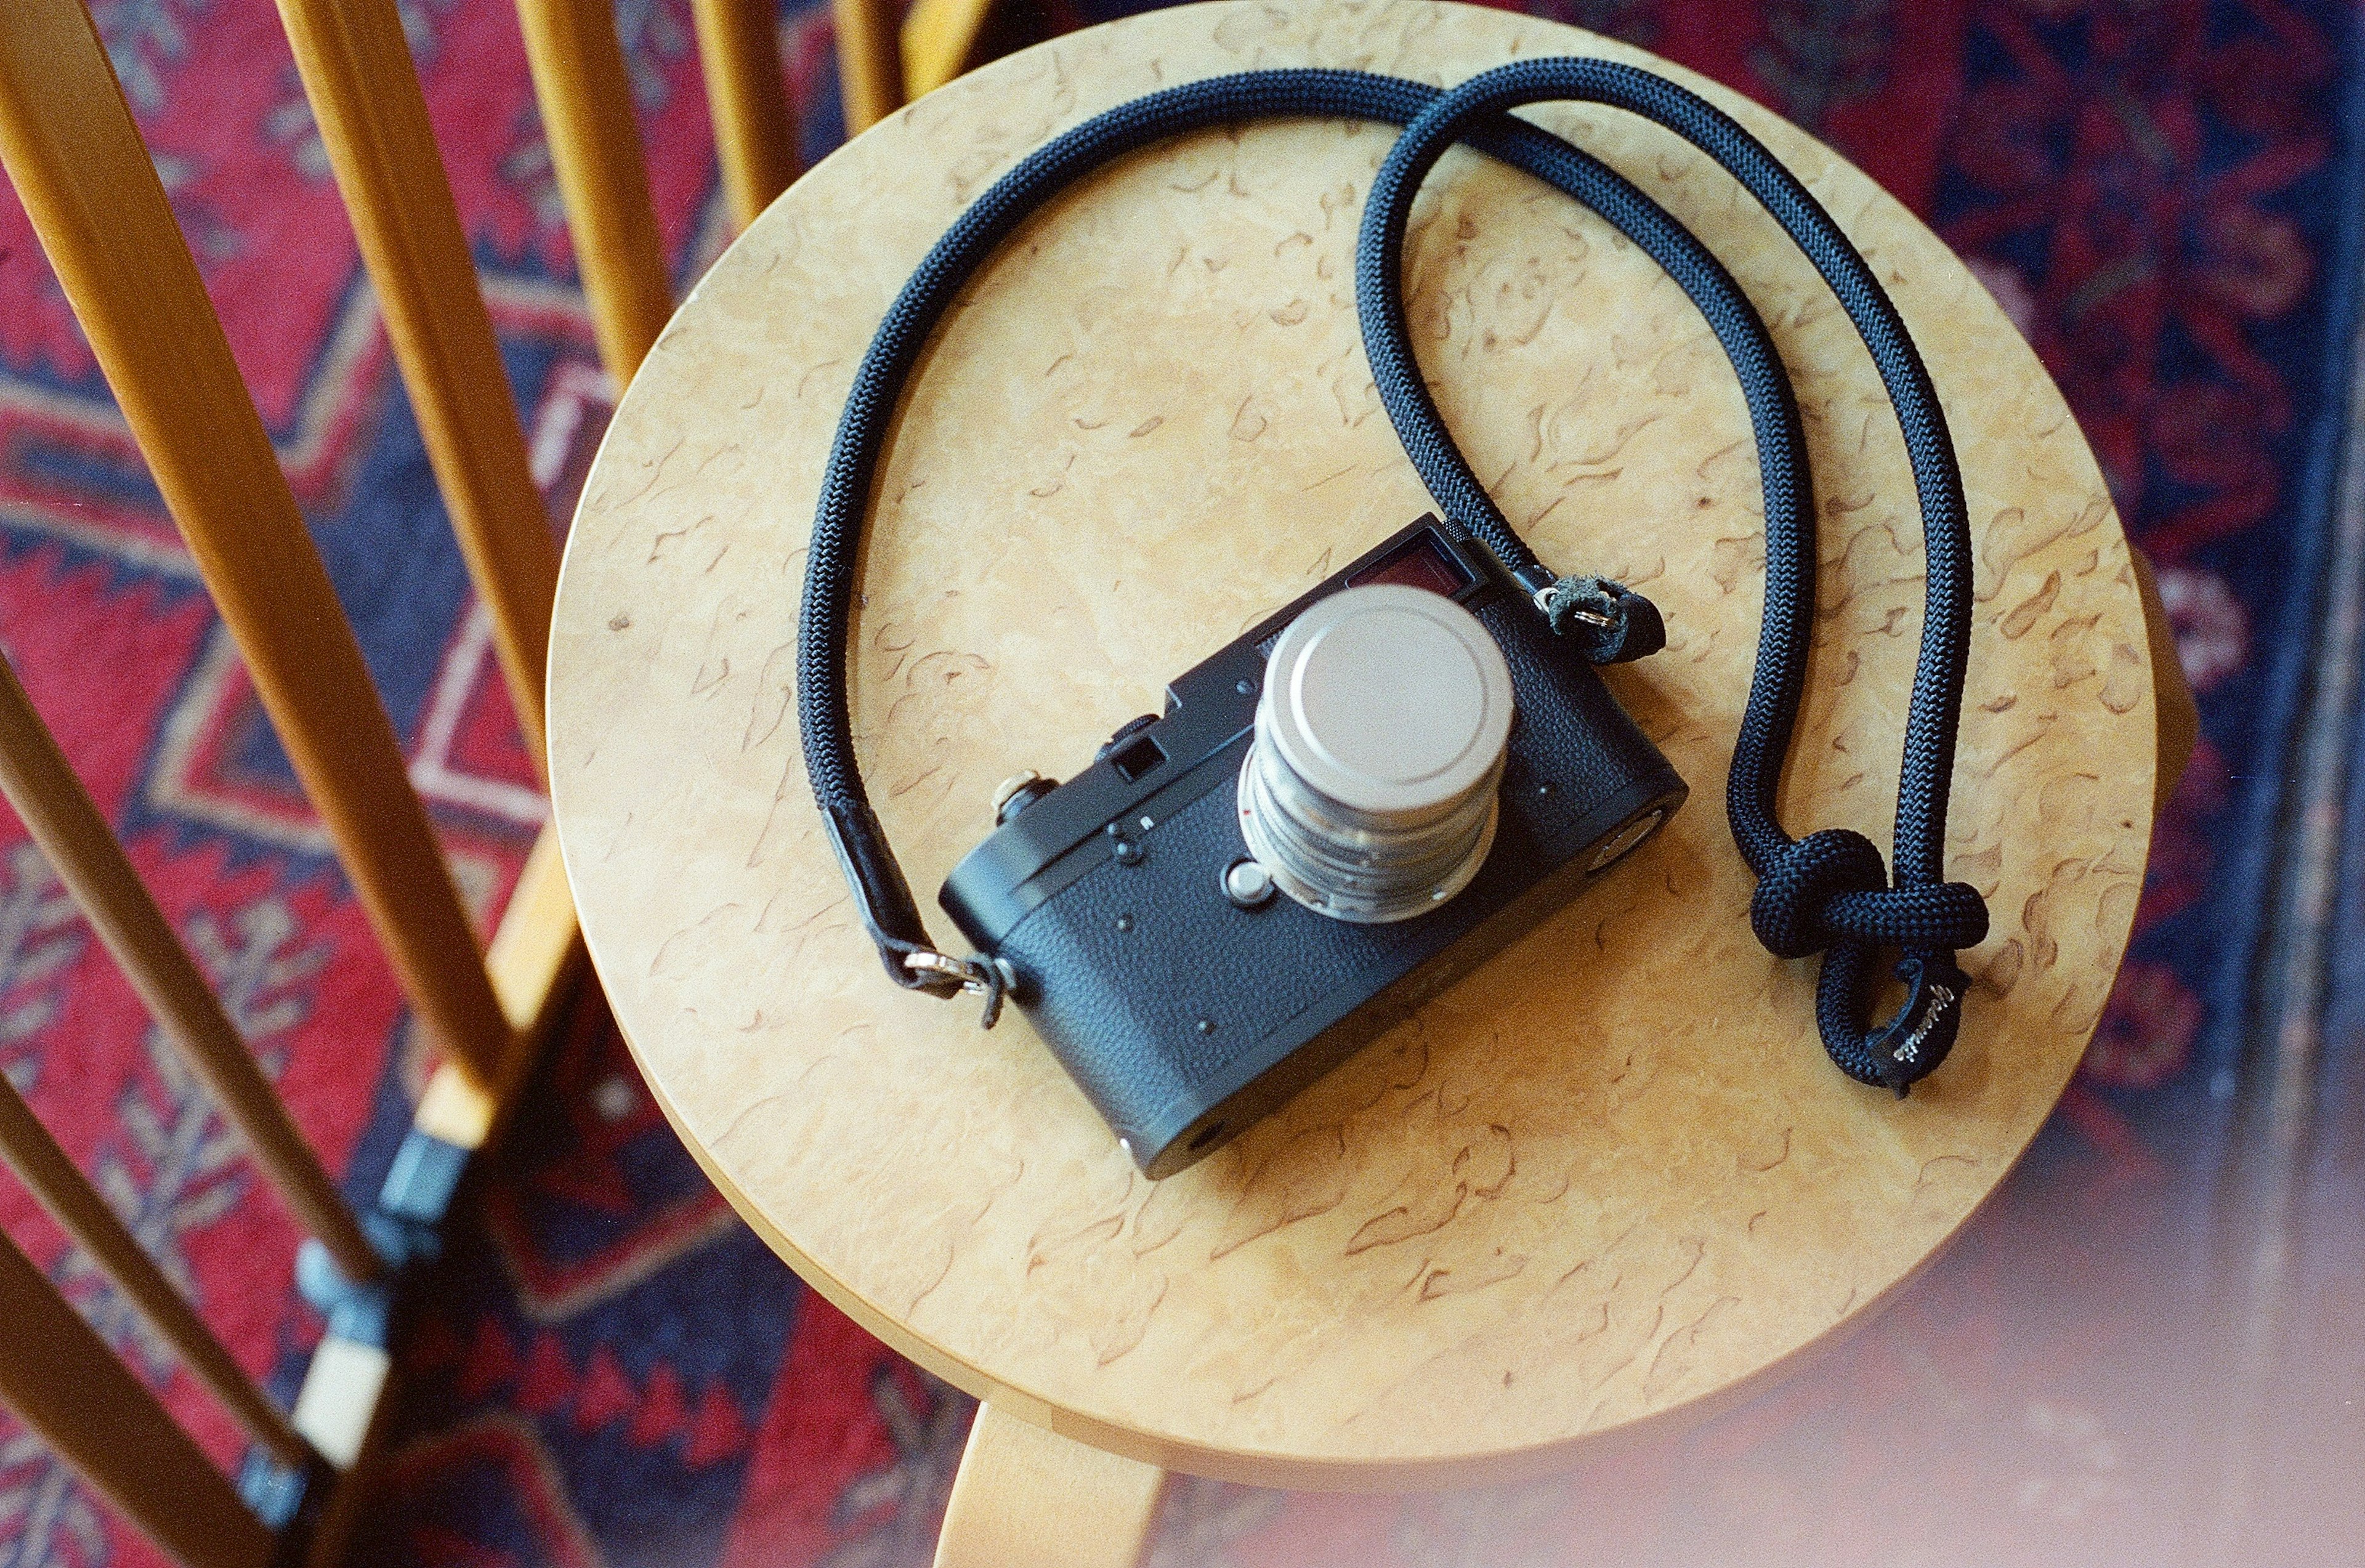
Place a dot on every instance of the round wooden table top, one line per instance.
(1610, 1176)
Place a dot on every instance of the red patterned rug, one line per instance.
(2145, 1350)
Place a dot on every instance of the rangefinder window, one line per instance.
(1136, 758)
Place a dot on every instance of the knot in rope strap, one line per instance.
(1832, 887)
(1829, 893)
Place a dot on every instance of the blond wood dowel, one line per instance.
(536, 957)
(358, 71)
(345, 1389)
(595, 148)
(1029, 1499)
(869, 62)
(65, 822)
(2178, 714)
(754, 135)
(68, 144)
(537, 942)
(69, 1387)
(50, 1175)
(939, 38)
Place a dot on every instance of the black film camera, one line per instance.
(1338, 814)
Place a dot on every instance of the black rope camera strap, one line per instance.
(1829, 892)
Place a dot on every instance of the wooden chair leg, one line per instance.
(754, 130)
(65, 822)
(357, 72)
(536, 957)
(869, 62)
(2179, 716)
(54, 1179)
(586, 94)
(939, 39)
(1027, 1497)
(69, 146)
(67, 1386)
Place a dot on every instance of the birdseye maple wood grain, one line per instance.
(1607, 1178)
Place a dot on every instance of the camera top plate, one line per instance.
(1150, 770)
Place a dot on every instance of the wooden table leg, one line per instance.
(1027, 1497)
(2179, 716)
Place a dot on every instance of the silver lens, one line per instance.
(1371, 789)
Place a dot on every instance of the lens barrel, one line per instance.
(1371, 788)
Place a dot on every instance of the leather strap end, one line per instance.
(882, 899)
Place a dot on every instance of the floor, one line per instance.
(2145, 1351)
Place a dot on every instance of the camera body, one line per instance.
(1151, 951)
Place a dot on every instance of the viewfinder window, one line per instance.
(1421, 562)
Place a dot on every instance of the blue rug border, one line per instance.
(2237, 988)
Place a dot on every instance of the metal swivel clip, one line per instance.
(975, 976)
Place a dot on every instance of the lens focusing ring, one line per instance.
(1399, 697)
(1321, 855)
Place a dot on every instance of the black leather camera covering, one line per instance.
(1184, 1016)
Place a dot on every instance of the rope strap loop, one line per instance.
(1829, 893)
(882, 900)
